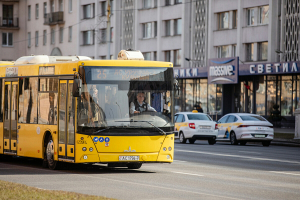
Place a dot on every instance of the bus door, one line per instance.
(10, 117)
(66, 129)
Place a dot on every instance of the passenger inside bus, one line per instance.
(139, 105)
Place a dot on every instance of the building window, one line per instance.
(167, 2)
(233, 50)
(263, 51)
(29, 13)
(45, 37)
(103, 35)
(155, 29)
(70, 5)
(251, 17)
(147, 30)
(36, 38)
(168, 27)
(52, 36)
(234, 19)
(88, 11)
(45, 9)
(51, 6)
(70, 33)
(37, 11)
(102, 57)
(155, 3)
(88, 37)
(177, 57)
(61, 34)
(224, 20)
(264, 15)
(168, 56)
(177, 26)
(7, 39)
(29, 39)
(250, 52)
(61, 5)
(178, 1)
(147, 4)
(147, 56)
(103, 8)
(155, 56)
(111, 34)
(223, 51)
(7, 15)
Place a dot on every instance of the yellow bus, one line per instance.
(77, 110)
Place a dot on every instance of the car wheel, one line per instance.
(182, 138)
(233, 139)
(134, 165)
(192, 141)
(266, 143)
(243, 143)
(212, 141)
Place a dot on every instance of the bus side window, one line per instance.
(1, 100)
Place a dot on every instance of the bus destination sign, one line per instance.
(122, 74)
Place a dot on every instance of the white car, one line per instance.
(244, 127)
(195, 126)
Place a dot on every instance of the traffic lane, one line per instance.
(112, 184)
(252, 150)
(180, 180)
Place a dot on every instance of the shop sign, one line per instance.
(269, 68)
(223, 70)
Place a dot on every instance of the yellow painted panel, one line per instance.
(1, 138)
(168, 155)
(69, 154)
(31, 140)
(62, 151)
(6, 141)
(13, 144)
(124, 63)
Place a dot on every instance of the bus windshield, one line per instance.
(126, 98)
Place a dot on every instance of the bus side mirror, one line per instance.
(77, 84)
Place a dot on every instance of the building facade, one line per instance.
(259, 39)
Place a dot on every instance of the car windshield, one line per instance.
(252, 118)
(110, 97)
(198, 117)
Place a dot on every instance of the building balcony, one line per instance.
(54, 18)
(9, 23)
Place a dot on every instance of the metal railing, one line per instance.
(9, 22)
(54, 18)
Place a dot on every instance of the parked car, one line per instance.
(194, 126)
(244, 127)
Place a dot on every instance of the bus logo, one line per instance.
(129, 150)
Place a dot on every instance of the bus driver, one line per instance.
(138, 105)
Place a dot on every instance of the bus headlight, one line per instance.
(85, 157)
(83, 148)
(165, 149)
(170, 148)
(91, 149)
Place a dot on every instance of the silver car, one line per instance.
(244, 127)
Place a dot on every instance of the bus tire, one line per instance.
(134, 165)
(52, 164)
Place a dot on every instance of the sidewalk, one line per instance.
(285, 137)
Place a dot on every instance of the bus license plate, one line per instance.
(129, 157)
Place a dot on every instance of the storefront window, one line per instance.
(242, 98)
(203, 94)
(214, 99)
(286, 96)
(189, 96)
(271, 94)
(260, 96)
(295, 93)
(178, 97)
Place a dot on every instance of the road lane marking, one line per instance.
(237, 156)
(179, 161)
(285, 173)
(249, 152)
(187, 174)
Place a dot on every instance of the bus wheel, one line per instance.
(52, 164)
(134, 165)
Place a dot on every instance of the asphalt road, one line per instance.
(200, 171)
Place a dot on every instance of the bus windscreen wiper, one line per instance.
(161, 131)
